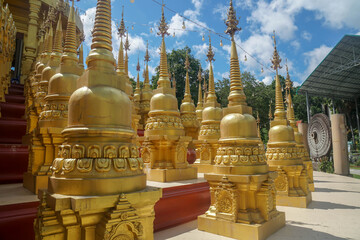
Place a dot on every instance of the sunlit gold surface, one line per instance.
(209, 134)
(97, 189)
(243, 195)
(165, 145)
(284, 155)
(188, 111)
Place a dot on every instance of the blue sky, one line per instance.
(306, 31)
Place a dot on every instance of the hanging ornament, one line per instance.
(174, 34)
(203, 37)
(262, 70)
(221, 44)
(245, 59)
(132, 1)
(132, 27)
(151, 30)
(183, 26)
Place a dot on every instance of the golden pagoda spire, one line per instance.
(163, 31)
(70, 39)
(270, 111)
(121, 64)
(280, 113)
(200, 97)
(49, 41)
(81, 56)
(211, 96)
(147, 59)
(258, 124)
(205, 89)
(137, 89)
(236, 96)
(187, 95)
(58, 37)
(290, 107)
(127, 48)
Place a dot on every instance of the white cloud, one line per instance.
(306, 35)
(267, 80)
(202, 49)
(295, 44)
(313, 58)
(88, 22)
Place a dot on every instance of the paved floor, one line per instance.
(334, 214)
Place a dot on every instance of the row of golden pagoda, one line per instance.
(90, 167)
(7, 48)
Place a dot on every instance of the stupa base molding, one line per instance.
(287, 201)
(203, 167)
(171, 175)
(123, 216)
(311, 187)
(35, 182)
(240, 230)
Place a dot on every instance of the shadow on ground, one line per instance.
(329, 205)
(296, 233)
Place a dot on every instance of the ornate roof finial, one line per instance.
(121, 29)
(211, 96)
(137, 89)
(163, 27)
(232, 21)
(210, 54)
(138, 65)
(127, 44)
(276, 58)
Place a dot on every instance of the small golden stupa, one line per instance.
(164, 149)
(188, 110)
(304, 154)
(98, 188)
(283, 155)
(207, 143)
(146, 92)
(200, 104)
(243, 195)
(42, 145)
(137, 92)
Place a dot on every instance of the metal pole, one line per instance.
(357, 117)
(307, 106)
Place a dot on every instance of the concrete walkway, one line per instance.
(334, 214)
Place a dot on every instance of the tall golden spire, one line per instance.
(205, 88)
(200, 99)
(70, 39)
(121, 63)
(280, 113)
(57, 48)
(211, 96)
(49, 42)
(81, 56)
(288, 83)
(187, 95)
(290, 107)
(127, 48)
(147, 59)
(270, 111)
(236, 96)
(137, 89)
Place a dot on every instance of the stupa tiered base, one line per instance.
(170, 175)
(298, 201)
(124, 216)
(34, 182)
(203, 167)
(312, 187)
(240, 230)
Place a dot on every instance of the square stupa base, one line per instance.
(203, 167)
(171, 175)
(35, 182)
(311, 187)
(241, 231)
(300, 202)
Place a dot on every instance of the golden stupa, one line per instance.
(188, 110)
(146, 92)
(7, 48)
(41, 149)
(243, 195)
(98, 188)
(283, 155)
(304, 154)
(200, 104)
(164, 149)
(208, 140)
